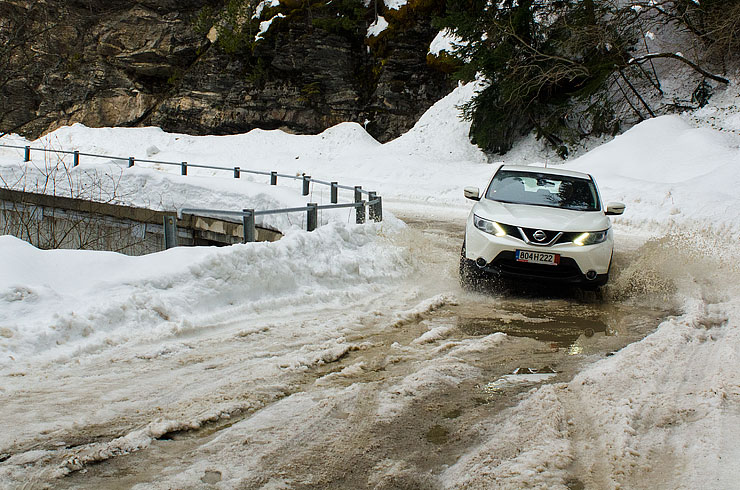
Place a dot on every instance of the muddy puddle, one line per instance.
(559, 323)
(562, 330)
(638, 297)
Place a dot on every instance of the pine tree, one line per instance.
(552, 66)
(535, 56)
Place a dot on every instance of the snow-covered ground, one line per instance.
(660, 413)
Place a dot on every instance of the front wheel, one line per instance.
(470, 275)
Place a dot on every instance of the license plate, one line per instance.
(537, 257)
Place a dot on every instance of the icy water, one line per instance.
(393, 411)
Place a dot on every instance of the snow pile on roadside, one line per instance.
(161, 187)
(670, 174)
(152, 189)
(59, 303)
(441, 137)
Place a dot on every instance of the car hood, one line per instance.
(541, 217)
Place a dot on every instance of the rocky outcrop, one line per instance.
(120, 63)
(99, 63)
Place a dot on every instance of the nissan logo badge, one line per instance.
(540, 235)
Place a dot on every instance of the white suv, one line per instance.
(539, 224)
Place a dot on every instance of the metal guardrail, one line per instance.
(375, 212)
(183, 166)
(374, 203)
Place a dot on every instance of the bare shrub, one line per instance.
(25, 214)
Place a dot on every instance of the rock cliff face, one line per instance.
(124, 63)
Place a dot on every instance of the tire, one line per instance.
(470, 275)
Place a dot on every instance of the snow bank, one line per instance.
(59, 303)
(439, 135)
(668, 396)
(670, 174)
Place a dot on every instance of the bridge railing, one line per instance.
(373, 203)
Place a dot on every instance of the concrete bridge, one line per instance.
(48, 221)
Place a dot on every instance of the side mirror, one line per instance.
(614, 208)
(472, 193)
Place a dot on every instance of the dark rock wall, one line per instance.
(137, 63)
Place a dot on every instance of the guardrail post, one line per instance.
(371, 206)
(184, 168)
(306, 182)
(360, 212)
(273, 178)
(130, 162)
(334, 192)
(76, 158)
(170, 232)
(27, 154)
(312, 216)
(237, 172)
(250, 232)
(360, 206)
(375, 210)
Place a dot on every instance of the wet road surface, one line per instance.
(400, 406)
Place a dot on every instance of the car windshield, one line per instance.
(542, 189)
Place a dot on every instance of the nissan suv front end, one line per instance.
(539, 224)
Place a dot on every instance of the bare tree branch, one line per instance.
(637, 94)
(676, 56)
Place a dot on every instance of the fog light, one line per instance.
(591, 275)
(481, 262)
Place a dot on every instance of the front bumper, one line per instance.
(498, 255)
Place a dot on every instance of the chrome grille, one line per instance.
(536, 236)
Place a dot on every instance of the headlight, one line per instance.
(591, 238)
(488, 226)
